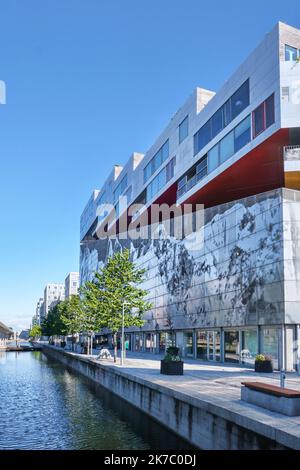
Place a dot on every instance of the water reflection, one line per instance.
(44, 406)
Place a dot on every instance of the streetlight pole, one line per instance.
(122, 332)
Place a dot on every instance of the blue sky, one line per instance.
(88, 82)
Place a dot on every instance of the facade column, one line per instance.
(222, 346)
(259, 345)
(194, 344)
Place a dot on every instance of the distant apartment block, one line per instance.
(53, 293)
(71, 284)
(39, 312)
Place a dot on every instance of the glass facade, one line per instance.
(213, 158)
(160, 180)
(222, 117)
(156, 161)
(195, 174)
(209, 345)
(270, 343)
(150, 342)
(226, 148)
(249, 347)
(232, 346)
(183, 129)
(166, 339)
(138, 342)
(188, 344)
(291, 53)
(120, 188)
(263, 116)
(240, 345)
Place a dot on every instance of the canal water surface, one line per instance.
(45, 406)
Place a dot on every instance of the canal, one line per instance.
(45, 406)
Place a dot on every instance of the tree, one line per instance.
(35, 332)
(53, 324)
(71, 313)
(115, 287)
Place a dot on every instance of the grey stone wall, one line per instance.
(234, 278)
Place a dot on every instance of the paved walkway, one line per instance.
(219, 385)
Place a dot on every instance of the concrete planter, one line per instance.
(171, 367)
(264, 366)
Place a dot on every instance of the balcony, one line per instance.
(291, 152)
(191, 182)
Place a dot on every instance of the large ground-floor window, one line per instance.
(209, 345)
(188, 343)
(166, 339)
(138, 342)
(232, 346)
(270, 343)
(150, 342)
(249, 346)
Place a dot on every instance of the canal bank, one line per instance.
(203, 406)
(45, 406)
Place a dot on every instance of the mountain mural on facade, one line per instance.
(229, 274)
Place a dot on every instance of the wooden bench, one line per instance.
(272, 397)
(272, 389)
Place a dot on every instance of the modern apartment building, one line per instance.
(237, 152)
(53, 293)
(71, 284)
(39, 312)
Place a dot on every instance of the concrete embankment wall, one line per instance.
(204, 425)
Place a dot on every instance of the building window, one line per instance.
(242, 134)
(183, 129)
(160, 180)
(188, 344)
(291, 53)
(232, 346)
(263, 116)
(240, 100)
(222, 117)
(217, 122)
(120, 188)
(213, 158)
(192, 176)
(226, 147)
(270, 111)
(285, 93)
(156, 161)
(170, 169)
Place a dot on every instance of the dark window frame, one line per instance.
(264, 106)
(226, 111)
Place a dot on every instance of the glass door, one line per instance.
(214, 346)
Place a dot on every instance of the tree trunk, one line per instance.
(115, 347)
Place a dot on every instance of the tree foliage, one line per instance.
(35, 332)
(101, 302)
(115, 287)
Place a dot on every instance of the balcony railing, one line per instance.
(191, 182)
(291, 152)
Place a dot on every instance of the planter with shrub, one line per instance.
(171, 364)
(263, 363)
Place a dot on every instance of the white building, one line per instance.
(39, 312)
(53, 293)
(71, 284)
(237, 153)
